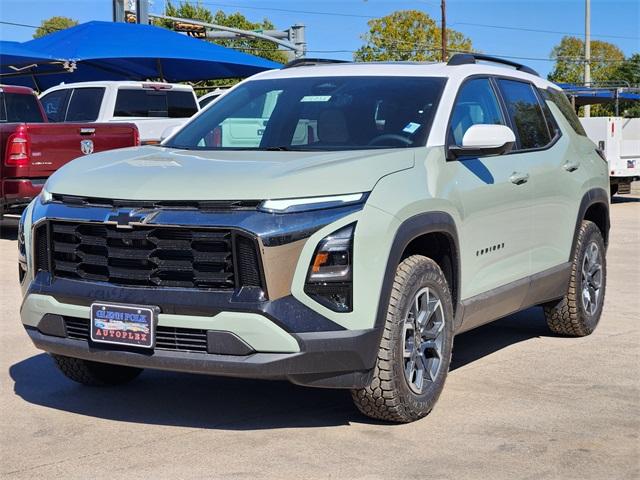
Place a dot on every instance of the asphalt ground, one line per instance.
(518, 403)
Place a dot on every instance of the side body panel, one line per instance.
(560, 176)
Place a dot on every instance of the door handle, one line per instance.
(571, 166)
(87, 131)
(519, 178)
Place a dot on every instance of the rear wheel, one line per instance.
(94, 373)
(415, 350)
(577, 314)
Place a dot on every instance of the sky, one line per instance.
(334, 27)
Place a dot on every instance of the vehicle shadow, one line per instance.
(166, 398)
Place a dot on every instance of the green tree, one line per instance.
(569, 57)
(407, 35)
(628, 72)
(54, 24)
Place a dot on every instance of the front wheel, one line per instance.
(415, 350)
(577, 314)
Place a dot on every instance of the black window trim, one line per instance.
(493, 79)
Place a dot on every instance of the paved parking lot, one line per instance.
(519, 403)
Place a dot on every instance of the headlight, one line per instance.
(330, 276)
(45, 195)
(294, 205)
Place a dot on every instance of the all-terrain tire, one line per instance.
(389, 396)
(568, 315)
(95, 374)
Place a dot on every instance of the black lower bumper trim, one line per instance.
(342, 359)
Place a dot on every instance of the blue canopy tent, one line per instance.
(124, 51)
(593, 95)
(16, 58)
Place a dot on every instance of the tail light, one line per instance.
(136, 137)
(18, 148)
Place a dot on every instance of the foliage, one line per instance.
(54, 24)
(569, 56)
(629, 72)
(407, 35)
(608, 65)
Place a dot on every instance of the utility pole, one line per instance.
(587, 51)
(443, 7)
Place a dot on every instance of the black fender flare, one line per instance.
(591, 197)
(409, 230)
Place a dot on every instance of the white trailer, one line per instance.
(619, 139)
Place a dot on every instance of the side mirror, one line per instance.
(481, 140)
(169, 131)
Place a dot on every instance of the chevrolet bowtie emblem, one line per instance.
(128, 219)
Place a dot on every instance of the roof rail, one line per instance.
(470, 58)
(307, 62)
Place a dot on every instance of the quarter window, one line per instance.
(476, 104)
(526, 114)
(55, 105)
(563, 104)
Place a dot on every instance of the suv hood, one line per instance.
(158, 173)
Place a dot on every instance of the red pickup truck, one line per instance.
(31, 149)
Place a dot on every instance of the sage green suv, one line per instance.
(333, 225)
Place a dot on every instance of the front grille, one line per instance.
(167, 338)
(150, 256)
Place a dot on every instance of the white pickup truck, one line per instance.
(154, 108)
(619, 139)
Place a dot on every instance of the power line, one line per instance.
(353, 15)
(285, 10)
(526, 29)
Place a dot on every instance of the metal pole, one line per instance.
(587, 51)
(443, 7)
(142, 12)
(242, 33)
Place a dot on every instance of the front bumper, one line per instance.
(279, 336)
(339, 359)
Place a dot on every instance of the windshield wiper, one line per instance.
(279, 148)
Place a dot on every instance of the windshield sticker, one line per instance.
(316, 98)
(411, 127)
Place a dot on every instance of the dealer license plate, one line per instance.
(123, 324)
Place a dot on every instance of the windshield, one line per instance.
(317, 113)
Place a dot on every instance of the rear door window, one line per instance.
(22, 108)
(55, 104)
(154, 103)
(84, 105)
(525, 113)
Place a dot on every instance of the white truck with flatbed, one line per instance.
(153, 107)
(619, 139)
